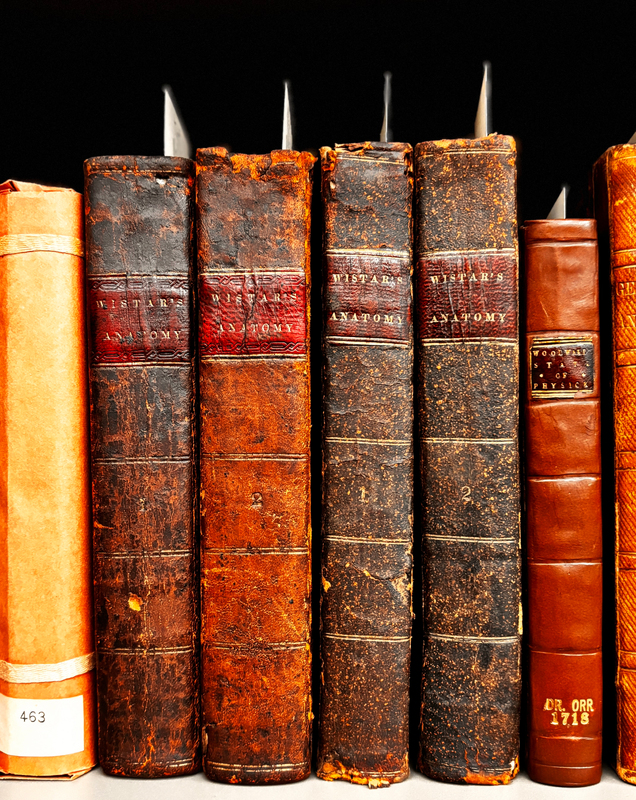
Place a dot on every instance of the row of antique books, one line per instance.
(197, 650)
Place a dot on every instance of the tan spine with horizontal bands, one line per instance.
(45, 580)
(615, 208)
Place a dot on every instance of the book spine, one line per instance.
(467, 387)
(139, 225)
(253, 259)
(367, 513)
(47, 660)
(563, 502)
(615, 209)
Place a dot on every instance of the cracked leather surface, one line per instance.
(253, 258)
(139, 226)
(366, 590)
(467, 385)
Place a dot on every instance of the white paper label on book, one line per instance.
(41, 728)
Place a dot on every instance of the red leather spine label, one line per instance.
(366, 297)
(463, 296)
(139, 318)
(252, 314)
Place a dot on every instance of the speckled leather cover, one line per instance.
(468, 395)
(367, 513)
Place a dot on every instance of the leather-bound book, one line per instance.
(253, 259)
(563, 502)
(615, 210)
(47, 660)
(467, 403)
(139, 225)
(367, 513)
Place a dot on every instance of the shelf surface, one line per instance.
(98, 786)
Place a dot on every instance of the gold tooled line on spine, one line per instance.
(347, 440)
(361, 540)
(450, 637)
(255, 767)
(368, 252)
(363, 638)
(486, 251)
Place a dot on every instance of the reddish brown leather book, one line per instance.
(253, 240)
(47, 660)
(563, 502)
(139, 225)
(615, 210)
(467, 385)
(367, 513)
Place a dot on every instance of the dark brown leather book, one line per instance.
(253, 240)
(367, 513)
(615, 210)
(563, 502)
(139, 224)
(467, 387)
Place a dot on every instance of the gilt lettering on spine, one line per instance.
(367, 513)
(563, 502)
(254, 415)
(139, 225)
(467, 403)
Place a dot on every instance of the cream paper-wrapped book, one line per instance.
(47, 697)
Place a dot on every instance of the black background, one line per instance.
(84, 79)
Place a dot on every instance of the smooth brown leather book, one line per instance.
(253, 257)
(367, 513)
(467, 400)
(563, 502)
(615, 210)
(139, 226)
(47, 660)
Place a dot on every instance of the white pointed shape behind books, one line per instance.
(558, 210)
(483, 120)
(386, 134)
(633, 139)
(176, 141)
(288, 138)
